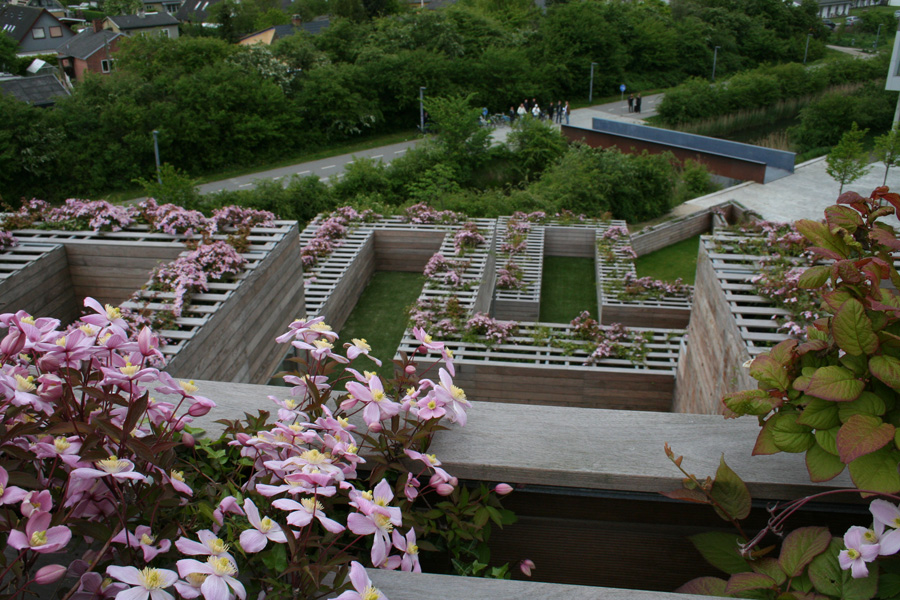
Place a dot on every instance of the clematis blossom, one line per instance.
(39, 536)
(264, 529)
(858, 552)
(362, 585)
(220, 582)
(148, 582)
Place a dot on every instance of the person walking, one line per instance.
(522, 111)
(550, 110)
(637, 103)
(512, 114)
(528, 105)
(566, 111)
(536, 111)
(630, 102)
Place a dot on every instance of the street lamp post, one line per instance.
(715, 56)
(591, 90)
(422, 109)
(156, 152)
(806, 52)
(877, 35)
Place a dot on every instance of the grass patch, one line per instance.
(569, 287)
(672, 262)
(380, 316)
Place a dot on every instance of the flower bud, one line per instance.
(526, 566)
(188, 440)
(375, 427)
(49, 574)
(503, 489)
(410, 369)
(444, 489)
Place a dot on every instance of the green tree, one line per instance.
(459, 134)
(172, 187)
(9, 62)
(535, 146)
(887, 150)
(848, 161)
(122, 7)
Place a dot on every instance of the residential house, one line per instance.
(273, 34)
(89, 52)
(167, 6)
(35, 30)
(835, 8)
(195, 11)
(54, 7)
(160, 23)
(40, 90)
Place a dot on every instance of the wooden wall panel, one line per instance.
(42, 288)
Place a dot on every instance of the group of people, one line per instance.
(555, 112)
(634, 103)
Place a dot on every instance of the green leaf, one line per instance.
(825, 572)
(834, 383)
(819, 235)
(704, 586)
(765, 441)
(744, 582)
(783, 352)
(751, 402)
(843, 216)
(886, 369)
(827, 439)
(800, 547)
(822, 465)
(730, 492)
(877, 472)
(814, 277)
(820, 414)
(889, 585)
(862, 434)
(769, 566)
(769, 372)
(721, 551)
(789, 435)
(868, 403)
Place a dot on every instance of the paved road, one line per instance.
(333, 168)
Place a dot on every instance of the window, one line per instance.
(164, 33)
(38, 33)
(55, 32)
(105, 65)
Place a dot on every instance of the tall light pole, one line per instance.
(715, 56)
(591, 91)
(422, 109)
(156, 152)
(806, 52)
(877, 35)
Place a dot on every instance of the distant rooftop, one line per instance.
(40, 91)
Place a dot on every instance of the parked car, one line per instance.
(851, 21)
(897, 14)
(829, 23)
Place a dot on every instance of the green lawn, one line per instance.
(672, 262)
(568, 288)
(380, 316)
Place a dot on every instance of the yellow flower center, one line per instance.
(352, 449)
(61, 444)
(870, 537)
(105, 338)
(221, 565)
(147, 540)
(296, 427)
(177, 475)
(87, 329)
(427, 339)
(457, 393)
(412, 549)
(410, 391)
(377, 395)
(852, 554)
(196, 579)
(313, 457)
(449, 352)
(188, 386)
(266, 524)
(38, 538)
(112, 464)
(432, 405)
(361, 344)
(61, 341)
(112, 312)
(323, 345)
(367, 494)
(896, 523)
(432, 458)
(370, 593)
(25, 357)
(217, 546)
(312, 505)
(129, 369)
(320, 326)
(343, 422)
(29, 319)
(290, 404)
(24, 384)
(281, 438)
(383, 522)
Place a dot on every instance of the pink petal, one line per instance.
(214, 588)
(124, 574)
(252, 540)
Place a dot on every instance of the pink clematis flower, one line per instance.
(454, 397)
(407, 545)
(142, 538)
(104, 316)
(378, 405)
(39, 536)
(36, 501)
(302, 513)
(148, 582)
(358, 347)
(858, 552)
(426, 340)
(220, 582)
(209, 545)
(265, 529)
(9, 494)
(362, 586)
(117, 468)
(430, 407)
